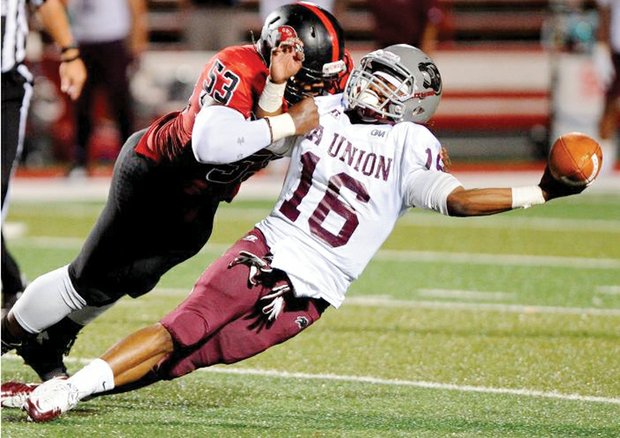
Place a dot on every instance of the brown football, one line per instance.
(575, 159)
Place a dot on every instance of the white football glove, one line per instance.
(602, 63)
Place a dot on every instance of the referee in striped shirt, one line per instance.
(17, 85)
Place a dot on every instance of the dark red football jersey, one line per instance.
(234, 77)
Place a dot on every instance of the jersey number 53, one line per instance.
(220, 84)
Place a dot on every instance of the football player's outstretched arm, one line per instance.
(480, 202)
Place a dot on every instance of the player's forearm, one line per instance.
(221, 140)
(270, 101)
(482, 202)
(54, 19)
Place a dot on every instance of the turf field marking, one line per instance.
(465, 294)
(438, 221)
(387, 301)
(498, 259)
(379, 381)
(402, 255)
(383, 301)
(608, 290)
(526, 223)
(413, 383)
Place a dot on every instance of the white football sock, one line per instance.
(47, 300)
(94, 378)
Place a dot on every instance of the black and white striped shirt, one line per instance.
(15, 31)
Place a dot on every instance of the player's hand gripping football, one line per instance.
(286, 60)
(553, 188)
(305, 115)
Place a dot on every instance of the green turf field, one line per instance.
(505, 326)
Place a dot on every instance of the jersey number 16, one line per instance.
(331, 202)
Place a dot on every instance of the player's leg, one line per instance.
(12, 281)
(16, 94)
(117, 85)
(55, 295)
(46, 300)
(220, 322)
(244, 329)
(83, 112)
(142, 233)
(247, 336)
(220, 295)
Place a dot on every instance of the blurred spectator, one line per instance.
(111, 34)
(17, 90)
(412, 22)
(607, 61)
(336, 7)
(213, 24)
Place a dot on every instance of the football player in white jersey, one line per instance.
(349, 180)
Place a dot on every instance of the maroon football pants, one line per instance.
(222, 321)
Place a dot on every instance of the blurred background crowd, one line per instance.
(516, 72)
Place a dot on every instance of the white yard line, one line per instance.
(465, 294)
(414, 383)
(530, 223)
(608, 290)
(387, 301)
(407, 256)
(498, 259)
(507, 308)
(391, 382)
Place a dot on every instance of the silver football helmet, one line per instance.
(395, 84)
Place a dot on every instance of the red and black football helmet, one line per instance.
(325, 61)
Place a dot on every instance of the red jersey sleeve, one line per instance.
(234, 77)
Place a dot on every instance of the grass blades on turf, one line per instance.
(502, 326)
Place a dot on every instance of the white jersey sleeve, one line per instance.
(425, 183)
(346, 186)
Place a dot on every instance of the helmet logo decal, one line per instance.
(281, 34)
(286, 35)
(432, 78)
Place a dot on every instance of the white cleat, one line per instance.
(14, 394)
(50, 399)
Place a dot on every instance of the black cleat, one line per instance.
(44, 353)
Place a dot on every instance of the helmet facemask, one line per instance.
(392, 87)
(310, 82)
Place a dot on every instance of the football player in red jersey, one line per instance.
(170, 178)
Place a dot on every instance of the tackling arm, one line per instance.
(221, 134)
(480, 202)
(286, 61)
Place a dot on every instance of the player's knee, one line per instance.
(186, 327)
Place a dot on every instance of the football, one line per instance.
(575, 159)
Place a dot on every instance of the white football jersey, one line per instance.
(346, 186)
